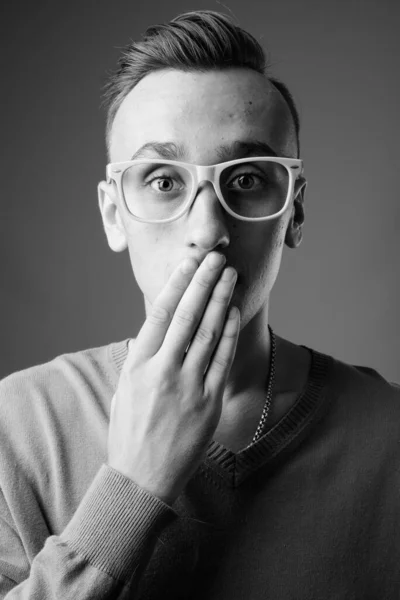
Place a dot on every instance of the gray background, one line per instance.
(62, 289)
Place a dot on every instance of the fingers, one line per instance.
(222, 359)
(209, 330)
(190, 310)
(112, 407)
(152, 334)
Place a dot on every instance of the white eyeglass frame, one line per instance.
(200, 173)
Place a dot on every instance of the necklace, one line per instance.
(271, 381)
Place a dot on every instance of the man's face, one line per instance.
(201, 112)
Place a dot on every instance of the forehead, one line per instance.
(201, 111)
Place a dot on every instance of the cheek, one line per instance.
(273, 253)
(278, 239)
(262, 248)
(150, 271)
(151, 258)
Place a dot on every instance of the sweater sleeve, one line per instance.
(100, 554)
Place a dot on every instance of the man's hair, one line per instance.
(202, 41)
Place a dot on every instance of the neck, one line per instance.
(250, 367)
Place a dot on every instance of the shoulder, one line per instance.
(54, 393)
(363, 403)
(85, 366)
(346, 378)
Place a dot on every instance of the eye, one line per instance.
(245, 181)
(162, 182)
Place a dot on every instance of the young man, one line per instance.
(208, 457)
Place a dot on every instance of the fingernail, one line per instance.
(215, 260)
(234, 313)
(228, 274)
(189, 266)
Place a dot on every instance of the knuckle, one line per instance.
(221, 297)
(230, 331)
(179, 284)
(160, 374)
(164, 381)
(230, 334)
(220, 363)
(184, 317)
(159, 315)
(205, 335)
(202, 281)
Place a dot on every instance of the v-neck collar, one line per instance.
(234, 468)
(292, 428)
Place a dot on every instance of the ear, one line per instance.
(294, 231)
(112, 221)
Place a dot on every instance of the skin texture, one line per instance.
(200, 112)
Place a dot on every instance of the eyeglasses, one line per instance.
(250, 189)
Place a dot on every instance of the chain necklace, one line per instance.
(270, 386)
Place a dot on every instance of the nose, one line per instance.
(207, 221)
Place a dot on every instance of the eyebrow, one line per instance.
(225, 152)
(242, 149)
(168, 150)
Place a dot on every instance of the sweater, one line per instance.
(309, 511)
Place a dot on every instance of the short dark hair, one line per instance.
(194, 41)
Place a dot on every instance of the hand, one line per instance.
(168, 403)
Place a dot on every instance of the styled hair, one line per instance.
(201, 40)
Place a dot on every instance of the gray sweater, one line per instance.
(310, 511)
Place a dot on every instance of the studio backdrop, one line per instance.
(62, 289)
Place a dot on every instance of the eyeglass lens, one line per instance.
(160, 191)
